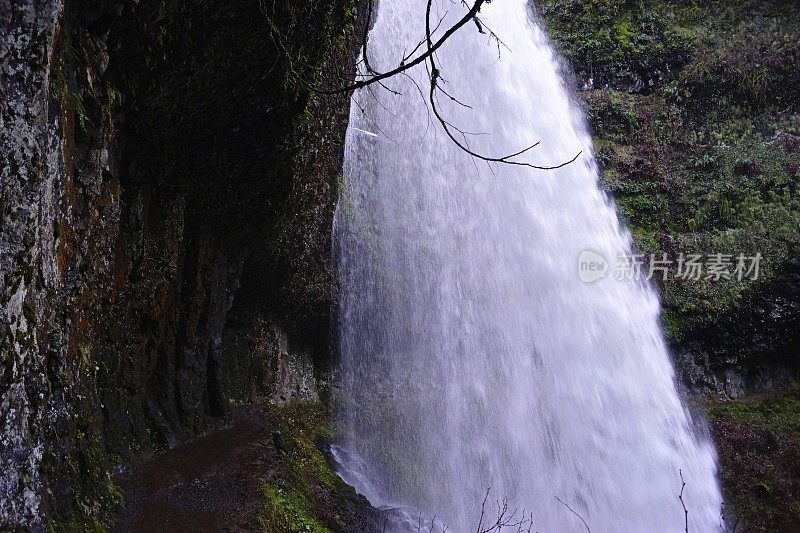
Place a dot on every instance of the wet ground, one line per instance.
(210, 484)
(214, 483)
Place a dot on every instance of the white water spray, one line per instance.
(472, 354)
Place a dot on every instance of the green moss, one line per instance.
(598, 32)
(38, 168)
(29, 311)
(287, 511)
(94, 506)
(758, 442)
(91, 515)
(304, 426)
(699, 163)
(290, 504)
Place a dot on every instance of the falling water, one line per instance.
(472, 354)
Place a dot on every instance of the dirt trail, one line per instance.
(213, 484)
(210, 484)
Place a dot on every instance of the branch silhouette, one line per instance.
(571, 510)
(424, 53)
(685, 510)
(435, 75)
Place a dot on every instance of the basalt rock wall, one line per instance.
(167, 190)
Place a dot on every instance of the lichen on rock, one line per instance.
(157, 186)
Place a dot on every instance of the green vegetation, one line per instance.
(288, 511)
(602, 31)
(694, 112)
(695, 115)
(304, 427)
(81, 114)
(759, 453)
(290, 504)
(99, 497)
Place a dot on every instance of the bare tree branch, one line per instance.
(505, 518)
(432, 47)
(685, 510)
(435, 76)
(571, 510)
(429, 58)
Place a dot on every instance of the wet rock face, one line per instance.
(750, 351)
(695, 135)
(260, 364)
(155, 169)
(28, 266)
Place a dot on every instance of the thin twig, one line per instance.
(429, 58)
(571, 510)
(431, 49)
(685, 510)
(435, 75)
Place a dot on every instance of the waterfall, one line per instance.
(472, 354)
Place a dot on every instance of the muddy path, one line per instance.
(215, 483)
(210, 484)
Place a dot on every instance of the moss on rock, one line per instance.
(307, 495)
(758, 442)
(697, 126)
(288, 511)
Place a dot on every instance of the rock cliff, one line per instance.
(696, 130)
(167, 195)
